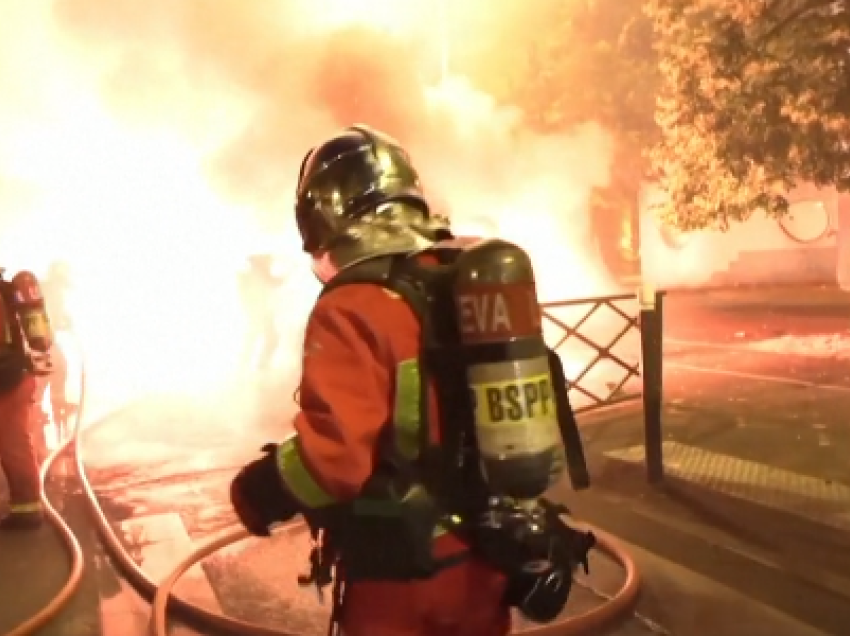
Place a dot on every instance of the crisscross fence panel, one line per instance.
(598, 340)
(611, 349)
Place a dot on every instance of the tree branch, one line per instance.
(807, 7)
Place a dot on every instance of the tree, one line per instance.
(754, 100)
(579, 61)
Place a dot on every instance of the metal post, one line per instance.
(651, 327)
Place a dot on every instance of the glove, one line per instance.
(259, 497)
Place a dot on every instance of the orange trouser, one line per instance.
(17, 449)
(464, 600)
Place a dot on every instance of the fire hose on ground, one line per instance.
(163, 599)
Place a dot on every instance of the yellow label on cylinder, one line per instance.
(516, 416)
(35, 325)
(515, 400)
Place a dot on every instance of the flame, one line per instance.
(388, 16)
(151, 246)
(155, 243)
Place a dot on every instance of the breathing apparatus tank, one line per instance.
(500, 323)
(32, 311)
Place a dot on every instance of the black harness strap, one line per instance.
(573, 447)
(14, 367)
(7, 292)
(418, 287)
(397, 275)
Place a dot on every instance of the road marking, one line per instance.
(159, 544)
(758, 377)
(747, 346)
(713, 345)
(826, 502)
(751, 346)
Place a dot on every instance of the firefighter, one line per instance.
(258, 287)
(25, 339)
(382, 464)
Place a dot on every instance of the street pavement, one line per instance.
(746, 314)
(748, 535)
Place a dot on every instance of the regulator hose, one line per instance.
(163, 598)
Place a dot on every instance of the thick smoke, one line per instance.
(297, 77)
(243, 89)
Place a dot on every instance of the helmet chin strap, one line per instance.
(324, 268)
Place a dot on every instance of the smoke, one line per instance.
(212, 105)
(297, 75)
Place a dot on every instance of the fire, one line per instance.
(154, 237)
(384, 15)
(153, 250)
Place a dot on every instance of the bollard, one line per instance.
(651, 346)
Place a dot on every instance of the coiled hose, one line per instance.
(163, 599)
(587, 624)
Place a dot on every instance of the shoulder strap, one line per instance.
(375, 271)
(7, 295)
(387, 272)
(422, 289)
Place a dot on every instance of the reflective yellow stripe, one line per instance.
(297, 476)
(303, 485)
(35, 324)
(25, 508)
(406, 412)
(408, 398)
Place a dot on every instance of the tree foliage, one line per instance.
(598, 64)
(754, 100)
(569, 62)
(576, 61)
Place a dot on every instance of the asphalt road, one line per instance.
(733, 316)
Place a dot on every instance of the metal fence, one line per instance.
(641, 327)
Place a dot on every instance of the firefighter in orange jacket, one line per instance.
(25, 338)
(370, 418)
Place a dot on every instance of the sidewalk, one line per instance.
(756, 498)
(35, 566)
(735, 316)
(680, 602)
(813, 295)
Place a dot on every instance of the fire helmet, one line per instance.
(359, 196)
